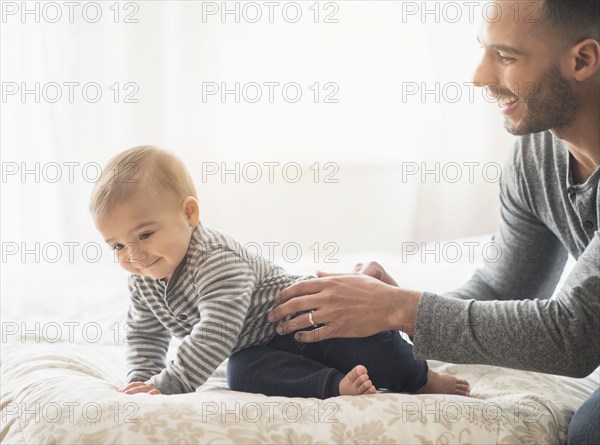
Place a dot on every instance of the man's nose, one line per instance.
(484, 74)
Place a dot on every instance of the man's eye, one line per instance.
(505, 59)
(117, 246)
(147, 235)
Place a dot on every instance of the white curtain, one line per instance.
(366, 134)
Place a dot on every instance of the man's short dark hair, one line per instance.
(577, 19)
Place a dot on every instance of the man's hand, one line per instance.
(353, 305)
(137, 387)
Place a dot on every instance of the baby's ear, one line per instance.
(192, 210)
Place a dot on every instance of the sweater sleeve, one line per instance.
(504, 315)
(557, 336)
(224, 286)
(147, 340)
(524, 260)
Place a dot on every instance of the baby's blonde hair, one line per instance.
(143, 169)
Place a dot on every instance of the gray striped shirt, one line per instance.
(216, 301)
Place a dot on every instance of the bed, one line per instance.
(63, 363)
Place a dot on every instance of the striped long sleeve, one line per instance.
(224, 283)
(147, 339)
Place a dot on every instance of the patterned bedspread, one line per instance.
(66, 392)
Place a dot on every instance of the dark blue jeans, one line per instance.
(285, 367)
(585, 424)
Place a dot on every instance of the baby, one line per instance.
(197, 284)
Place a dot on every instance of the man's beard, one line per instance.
(550, 105)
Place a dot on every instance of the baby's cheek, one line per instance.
(177, 252)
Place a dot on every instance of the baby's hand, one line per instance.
(136, 387)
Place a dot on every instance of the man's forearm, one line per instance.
(535, 335)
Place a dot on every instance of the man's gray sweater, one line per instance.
(505, 315)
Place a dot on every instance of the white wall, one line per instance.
(372, 134)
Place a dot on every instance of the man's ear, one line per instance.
(585, 57)
(192, 210)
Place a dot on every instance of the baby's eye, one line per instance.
(146, 235)
(117, 246)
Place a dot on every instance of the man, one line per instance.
(544, 71)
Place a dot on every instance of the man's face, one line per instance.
(520, 67)
(149, 236)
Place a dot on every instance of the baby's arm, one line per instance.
(224, 285)
(147, 340)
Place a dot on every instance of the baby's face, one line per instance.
(150, 237)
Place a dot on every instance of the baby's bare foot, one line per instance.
(357, 382)
(439, 383)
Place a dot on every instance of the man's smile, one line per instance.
(508, 105)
